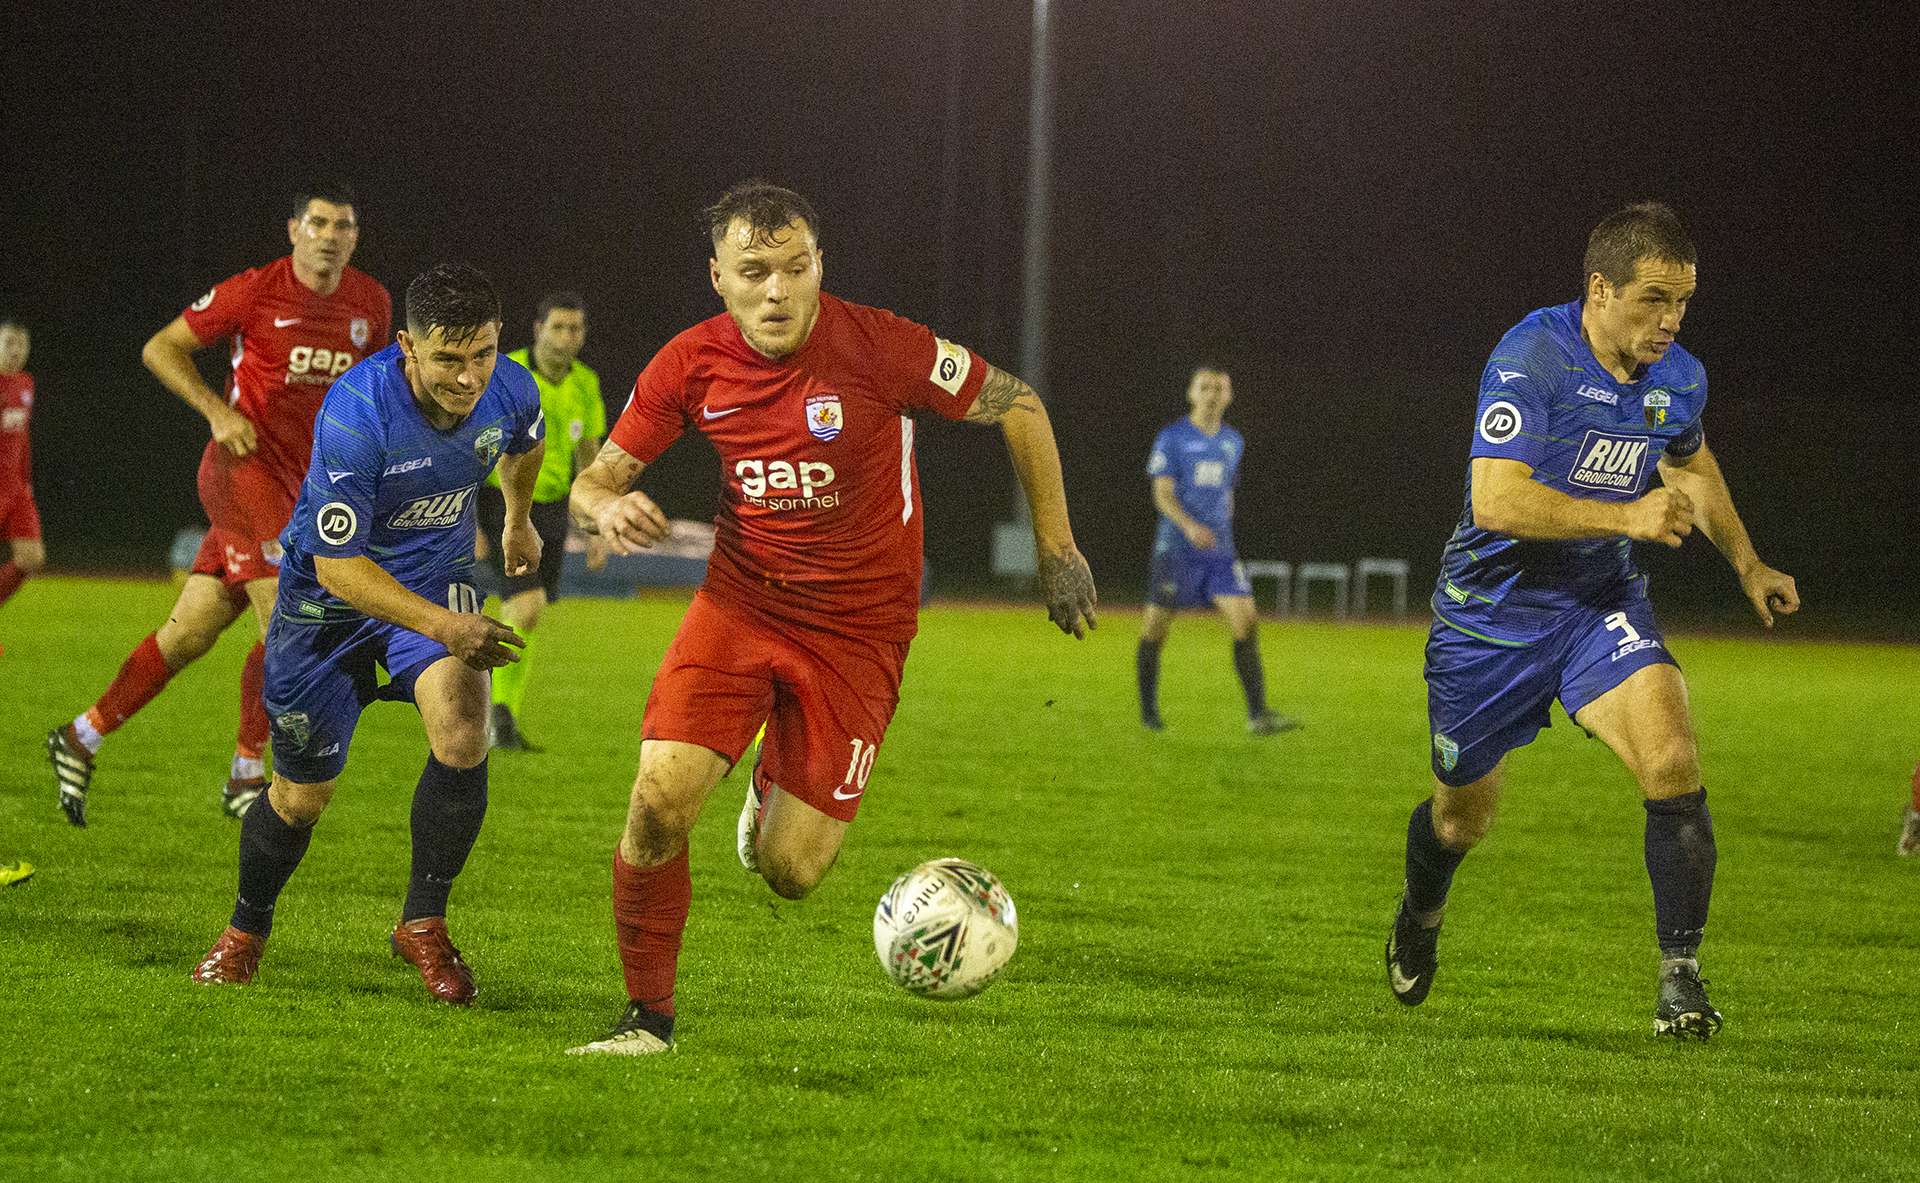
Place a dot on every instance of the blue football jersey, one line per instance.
(387, 484)
(1205, 471)
(1546, 401)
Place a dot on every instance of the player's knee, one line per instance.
(1461, 832)
(461, 744)
(791, 878)
(300, 805)
(1671, 769)
(30, 561)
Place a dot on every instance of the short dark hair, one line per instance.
(9, 321)
(332, 192)
(570, 301)
(1643, 230)
(767, 210)
(455, 298)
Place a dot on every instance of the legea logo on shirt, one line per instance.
(1610, 462)
(437, 512)
(1588, 390)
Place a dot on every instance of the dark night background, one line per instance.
(1347, 204)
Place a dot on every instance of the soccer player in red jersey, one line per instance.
(812, 593)
(296, 324)
(19, 518)
(1910, 822)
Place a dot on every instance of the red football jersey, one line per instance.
(16, 462)
(819, 518)
(289, 344)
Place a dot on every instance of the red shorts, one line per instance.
(19, 518)
(237, 561)
(248, 508)
(826, 699)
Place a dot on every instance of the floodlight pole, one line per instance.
(1013, 541)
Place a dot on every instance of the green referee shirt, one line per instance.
(573, 412)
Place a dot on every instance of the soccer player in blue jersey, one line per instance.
(378, 574)
(1538, 596)
(1195, 467)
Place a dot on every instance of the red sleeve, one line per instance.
(655, 413)
(220, 312)
(929, 372)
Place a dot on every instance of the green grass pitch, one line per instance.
(1198, 992)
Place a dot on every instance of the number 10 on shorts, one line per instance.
(858, 769)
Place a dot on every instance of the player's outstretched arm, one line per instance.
(1506, 498)
(604, 502)
(1699, 479)
(1066, 585)
(169, 354)
(480, 641)
(519, 541)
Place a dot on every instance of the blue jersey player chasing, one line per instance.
(1195, 467)
(378, 573)
(1538, 596)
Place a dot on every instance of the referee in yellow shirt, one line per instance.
(576, 421)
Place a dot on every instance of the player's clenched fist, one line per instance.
(1663, 515)
(630, 522)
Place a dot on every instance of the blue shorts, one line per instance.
(321, 676)
(1484, 699)
(1181, 577)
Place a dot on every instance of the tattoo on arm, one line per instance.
(999, 394)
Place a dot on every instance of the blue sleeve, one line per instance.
(1158, 463)
(530, 421)
(1239, 454)
(1511, 420)
(1695, 436)
(348, 456)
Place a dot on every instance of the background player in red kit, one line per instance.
(812, 592)
(19, 518)
(296, 324)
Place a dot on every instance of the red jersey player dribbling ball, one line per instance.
(289, 343)
(819, 527)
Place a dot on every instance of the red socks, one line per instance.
(650, 906)
(142, 676)
(253, 713)
(11, 577)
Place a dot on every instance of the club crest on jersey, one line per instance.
(486, 446)
(1614, 463)
(823, 415)
(359, 330)
(1656, 404)
(436, 512)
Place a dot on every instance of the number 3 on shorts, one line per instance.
(1629, 634)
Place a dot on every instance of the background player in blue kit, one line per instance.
(1538, 596)
(1195, 467)
(378, 572)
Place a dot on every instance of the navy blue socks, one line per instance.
(270, 849)
(1146, 667)
(1430, 864)
(1253, 679)
(1680, 859)
(448, 807)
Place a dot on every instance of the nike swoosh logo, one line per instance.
(333, 478)
(1402, 983)
(722, 415)
(281, 324)
(837, 794)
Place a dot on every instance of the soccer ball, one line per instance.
(945, 929)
